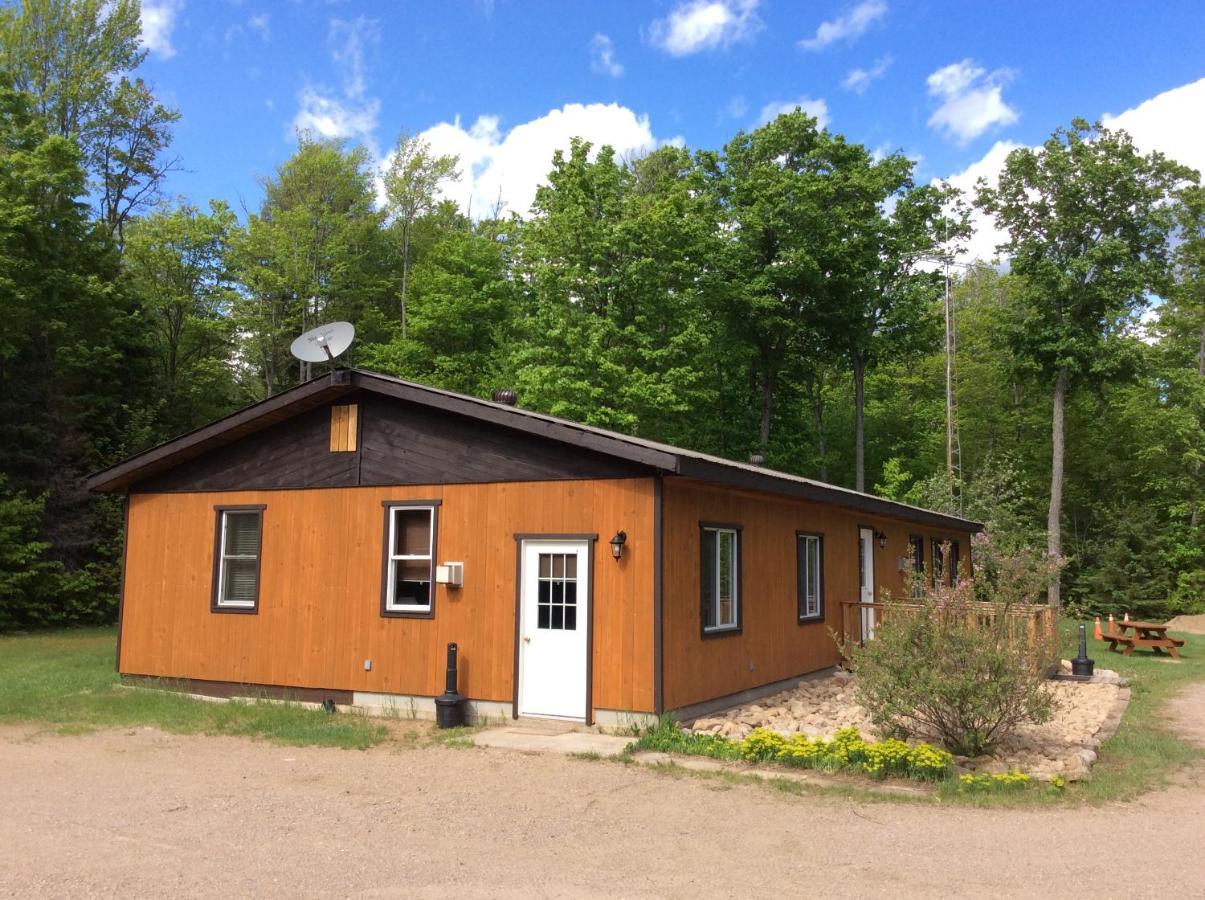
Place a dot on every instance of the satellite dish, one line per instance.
(323, 343)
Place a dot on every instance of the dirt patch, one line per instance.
(1187, 624)
(1186, 712)
(140, 813)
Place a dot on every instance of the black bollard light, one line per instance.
(449, 706)
(1082, 665)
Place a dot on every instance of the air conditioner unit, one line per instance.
(450, 573)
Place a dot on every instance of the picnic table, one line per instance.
(1146, 634)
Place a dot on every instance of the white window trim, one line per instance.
(391, 605)
(222, 602)
(734, 568)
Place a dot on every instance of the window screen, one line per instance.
(238, 562)
(811, 576)
(720, 579)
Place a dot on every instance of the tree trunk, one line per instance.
(1054, 535)
(405, 273)
(767, 407)
(859, 424)
(815, 389)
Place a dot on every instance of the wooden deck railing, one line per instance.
(1033, 625)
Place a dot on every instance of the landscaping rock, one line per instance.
(1086, 713)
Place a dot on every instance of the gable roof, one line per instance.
(657, 457)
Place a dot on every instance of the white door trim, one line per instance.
(526, 615)
(866, 579)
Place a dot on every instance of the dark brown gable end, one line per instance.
(398, 444)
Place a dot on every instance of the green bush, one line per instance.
(946, 666)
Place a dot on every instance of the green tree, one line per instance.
(1087, 219)
(610, 328)
(177, 261)
(412, 182)
(314, 252)
(73, 365)
(75, 59)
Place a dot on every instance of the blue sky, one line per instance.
(503, 83)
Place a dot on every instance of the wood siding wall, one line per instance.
(320, 593)
(772, 645)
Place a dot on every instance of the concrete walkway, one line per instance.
(551, 737)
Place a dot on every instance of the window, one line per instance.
(409, 559)
(939, 560)
(237, 541)
(721, 578)
(954, 554)
(810, 559)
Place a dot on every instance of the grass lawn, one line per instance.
(1144, 752)
(66, 680)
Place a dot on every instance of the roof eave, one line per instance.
(770, 482)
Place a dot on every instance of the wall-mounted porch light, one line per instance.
(617, 542)
(882, 538)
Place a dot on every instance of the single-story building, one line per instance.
(330, 541)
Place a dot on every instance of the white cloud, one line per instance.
(736, 107)
(349, 41)
(818, 109)
(970, 100)
(985, 237)
(329, 116)
(158, 21)
(507, 166)
(858, 80)
(602, 56)
(350, 113)
(705, 25)
(260, 24)
(848, 27)
(1170, 123)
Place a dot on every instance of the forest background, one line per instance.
(783, 296)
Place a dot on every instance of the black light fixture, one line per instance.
(882, 539)
(617, 542)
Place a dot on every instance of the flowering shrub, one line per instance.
(847, 751)
(1003, 781)
(762, 744)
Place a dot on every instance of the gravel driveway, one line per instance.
(142, 813)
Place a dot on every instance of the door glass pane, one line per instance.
(556, 592)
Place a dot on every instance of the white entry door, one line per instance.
(554, 613)
(866, 578)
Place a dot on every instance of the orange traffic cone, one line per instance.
(1127, 618)
(1096, 633)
